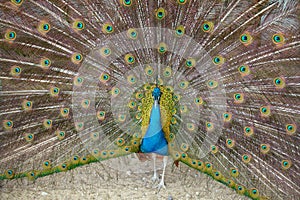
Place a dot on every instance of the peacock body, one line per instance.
(212, 84)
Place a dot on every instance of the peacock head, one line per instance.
(156, 93)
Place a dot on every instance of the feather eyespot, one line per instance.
(167, 72)
(234, 172)
(54, 91)
(8, 124)
(248, 131)
(182, 2)
(278, 39)
(17, 2)
(60, 134)
(29, 137)
(115, 91)
(44, 27)
(291, 129)
(190, 63)
(104, 77)
(160, 13)
(47, 123)
(238, 98)
(244, 70)
(207, 26)
(78, 81)
(45, 63)
(162, 48)
(85, 103)
(46, 164)
(279, 82)
(10, 35)
(246, 39)
(227, 117)
(264, 148)
(132, 33)
(254, 193)
(107, 28)
(27, 105)
(105, 52)
(76, 58)
(126, 2)
(131, 79)
(9, 173)
(218, 60)
(209, 126)
(214, 149)
(286, 164)
(183, 84)
(149, 71)
(230, 143)
(179, 31)
(129, 59)
(15, 71)
(265, 111)
(78, 25)
(212, 84)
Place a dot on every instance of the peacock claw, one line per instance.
(161, 185)
(154, 178)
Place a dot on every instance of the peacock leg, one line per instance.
(155, 177)
(162, 182)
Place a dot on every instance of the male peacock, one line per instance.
(213, 84)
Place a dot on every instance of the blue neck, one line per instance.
(154, 140)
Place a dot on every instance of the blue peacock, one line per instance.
(214, 85)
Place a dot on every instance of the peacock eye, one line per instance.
(181, 2)
(238, 98)
(265, 111)
(179, 30)
(127, 2)
(218, 60)
(246, 39)
(78, 25)
(44, 27)
(278, 39)
(12, 35)
(17, 2)
(116, 91)
(162, 48)
(279, 82)
(207, 26)
(129, 59)
(131, 79)
(160, 13)
(107, 28)
(190, 63)
(9, 124)
(45, 63)
(15, 71)
(132, 33)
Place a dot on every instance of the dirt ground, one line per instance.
(120, 178)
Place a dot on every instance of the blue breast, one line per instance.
(154, 140)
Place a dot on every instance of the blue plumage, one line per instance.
(154, 140)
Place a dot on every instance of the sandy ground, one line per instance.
(121, 178)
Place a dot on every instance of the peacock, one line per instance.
(214, 85)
